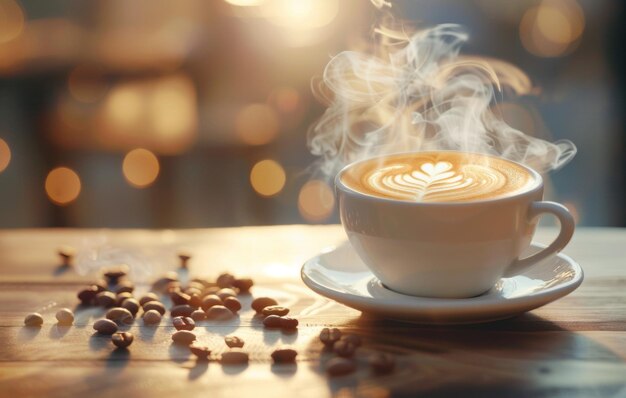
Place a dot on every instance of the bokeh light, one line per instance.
(140, 167)
(172, 107)
(86, 84)
(62, 185)
(256, 124)
(5, 155)
(316, 201)
(125, 106)
(11, 20)
(553, 28)
(303, 14)
(285, 99)
(267, 177)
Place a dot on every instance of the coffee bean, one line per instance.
(146, 298)
(151, 317)
(184, 259)
(198, 315)
(272, 321)
(122, 339)
(209, 301)
(344, 348)
(234, 357)
(329, 337)
(340, 366)
(202, 352)
(382, 363)
(288, 323)
(179, 298)
(243, 285)
(284, 355)
(105, 326)
(352, 339)
(198, 284)
(226, 292)
(34, 319)
(219, 312)
(233, 341)
(261, 302)
(101, 285)
(131, 305)
(67, 254)
(156, 306)
(225, 280)
(106, 299)
(120, 297)
(210, 290)
(115, 273)
(184, 337)
(124, 287)
(161, 284)
(232, 303)
(181, 310)
(194, 300)
(88, 295)
(192, 290)
(275, 310)
(120, 315)
(65, 316)
(183, 323)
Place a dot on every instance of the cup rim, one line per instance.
(537, 186)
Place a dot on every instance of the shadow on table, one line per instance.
(523, 356)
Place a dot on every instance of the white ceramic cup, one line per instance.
(447, 249)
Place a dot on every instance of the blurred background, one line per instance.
(171, 114)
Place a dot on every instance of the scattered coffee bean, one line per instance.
(243, 285)
(179, 298)
(382, 363)
(181, 310)
(65, 316)
(120, 315)
(124, 287)
(232, 303)
(106, 299)
(184, 259)
(183, 323)
(156, 306)
(344, 348)
(114, 274)
(219, 312)
(161, 284)
(339, 366)
(209, 301)
(284, 355)
(196, 285)
(105, 326)
(195, 300)
(200, 351)
(272, 321)
(233, 341)
(34, 319)
(225, 280)
(151, 317)
(131, 305)
(329, 337)
(67, 254)
(101, 285)
(210, 290)
(261, 302)
(352, 339)
(172, 287)
(120, 297)
(226, 292)
(88, 295)
(122, 339)
(198, 315)
(234, 357)
(183, 337)
(288, 323)
(275, 310)
(146, 298)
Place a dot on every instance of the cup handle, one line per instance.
(565, 234)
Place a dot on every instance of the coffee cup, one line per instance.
(445, 224)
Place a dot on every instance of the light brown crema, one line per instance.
(438, 177)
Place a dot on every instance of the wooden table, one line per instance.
(575, 347)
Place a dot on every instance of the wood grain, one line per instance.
(575, 347)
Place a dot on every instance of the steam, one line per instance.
(418, 94)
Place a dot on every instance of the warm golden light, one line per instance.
(256, 124)
(172, 107)
(140, 167)
(11, 20)
(267, 177)
(245, 3)
(5, 155)
(62, 185)
(125, 106)
(553, 28)
(303, 14)
(86, 84)
(316, 201)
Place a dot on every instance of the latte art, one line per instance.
(438, 177)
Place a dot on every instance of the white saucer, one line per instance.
(339, 274)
